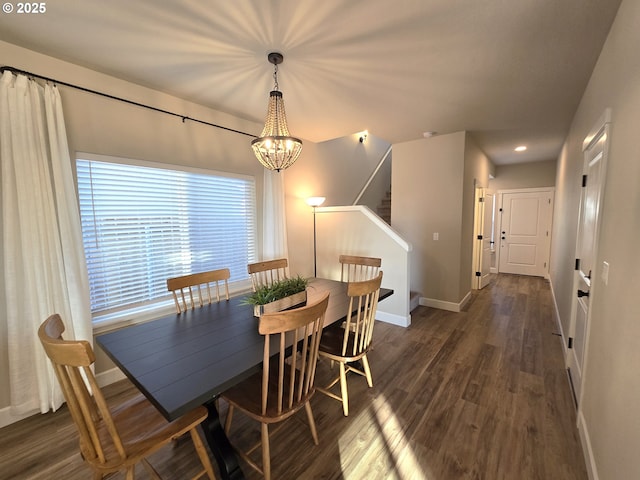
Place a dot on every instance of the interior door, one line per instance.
(483, 244)
(488, 250)
(587, 235)
(525, 233)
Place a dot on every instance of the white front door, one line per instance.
(594, 169)
(525, 231)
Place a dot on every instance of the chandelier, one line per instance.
(275, 148)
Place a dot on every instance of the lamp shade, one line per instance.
(315, 201)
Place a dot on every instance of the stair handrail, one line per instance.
(372, 176)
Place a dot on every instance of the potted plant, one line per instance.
(278, 296)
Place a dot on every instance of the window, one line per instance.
(144, 223)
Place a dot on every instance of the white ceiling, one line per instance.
(509, 71)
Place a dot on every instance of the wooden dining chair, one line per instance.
(268, 272)
(183, 288)
(113, 439)
(286, 382)
(358, 269)
(351, 343)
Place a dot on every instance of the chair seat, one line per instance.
(247, 396)
(332, 341)
(143, 430)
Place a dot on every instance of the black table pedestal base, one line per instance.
(220, 446)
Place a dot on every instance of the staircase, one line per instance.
(384, 209)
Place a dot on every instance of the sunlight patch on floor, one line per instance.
(385, 451)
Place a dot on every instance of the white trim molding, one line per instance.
(443, 305)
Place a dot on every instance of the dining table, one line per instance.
(180, 361)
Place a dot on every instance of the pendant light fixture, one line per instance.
(275, 148)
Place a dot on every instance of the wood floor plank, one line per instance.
(482, 394)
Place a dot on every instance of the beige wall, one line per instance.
(524, 175)
(477, 168)
(610, 408)
(335, 169)
(427, 182)
(433, 183)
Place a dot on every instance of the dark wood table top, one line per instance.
(181, 361)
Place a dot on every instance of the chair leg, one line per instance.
(367, 371)
(202, 453)
(312, 422)
(343, 389)
(227, 422)
(266, 454)
(131, 473)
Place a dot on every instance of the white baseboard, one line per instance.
(587, 451)
(7, 418)
(442, 305)
(110, 376)
(565, 350)
(393, 319)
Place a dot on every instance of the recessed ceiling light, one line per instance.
(521, 148)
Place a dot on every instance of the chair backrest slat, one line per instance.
(359, 325)
(186, 284)
(72, 360)
(268, 272)
(301, 328)
(358, 269)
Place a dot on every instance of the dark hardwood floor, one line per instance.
(481, 394)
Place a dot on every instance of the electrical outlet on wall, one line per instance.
(436, 236)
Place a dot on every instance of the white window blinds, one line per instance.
(142, 225)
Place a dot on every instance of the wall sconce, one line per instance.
(363, 136)
(315, 202)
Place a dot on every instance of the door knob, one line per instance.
(582, 293)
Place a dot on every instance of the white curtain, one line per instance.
(274, 224)
(42, 254)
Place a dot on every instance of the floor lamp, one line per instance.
(315, 202)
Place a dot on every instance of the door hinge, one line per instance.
(478, 274)
(577, 267)
(570, 343)
(584, 180)
(481, 199)
(479, 237)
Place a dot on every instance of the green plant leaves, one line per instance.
(276, 291)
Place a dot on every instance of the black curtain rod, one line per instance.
(113, 97)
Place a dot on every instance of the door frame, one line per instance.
(600, 129)
(479, 228)
(499, 199)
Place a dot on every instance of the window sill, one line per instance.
(115, 321)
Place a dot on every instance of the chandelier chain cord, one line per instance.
(275, 77)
